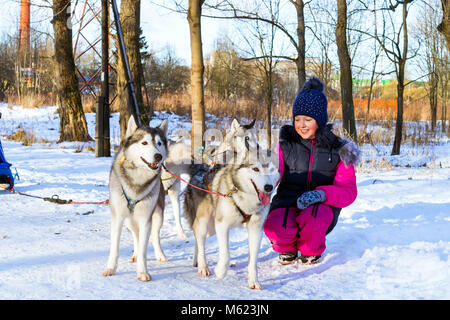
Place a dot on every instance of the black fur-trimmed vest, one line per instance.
(307, 165)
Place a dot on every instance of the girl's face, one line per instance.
(305, 126)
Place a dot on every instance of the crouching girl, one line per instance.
(317, 179)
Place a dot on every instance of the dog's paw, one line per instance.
(133, 258)
(220, 271)
(254, 285)
(182, 235)
(161, 258)
(144, 276)
(204, 271)
(108, 272)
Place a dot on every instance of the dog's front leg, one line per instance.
(173, 194)
(222, 231)
(254, 228)
(116, 230)
(157, 221)
(144, 234)
(200, 233)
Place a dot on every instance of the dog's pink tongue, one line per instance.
(264, 198)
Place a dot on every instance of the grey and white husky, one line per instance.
(136, 194)
(238, 143)
(247, 189)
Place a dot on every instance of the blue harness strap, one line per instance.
(131, 203)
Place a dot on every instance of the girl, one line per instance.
(317, 179)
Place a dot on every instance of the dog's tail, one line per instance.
(190, 207)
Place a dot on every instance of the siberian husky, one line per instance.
(239, 142)
(136, 194)
(247, 189)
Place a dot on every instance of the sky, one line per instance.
(162, 28)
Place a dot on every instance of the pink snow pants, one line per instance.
(299, 230)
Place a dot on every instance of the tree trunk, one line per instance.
(399, 123)
(73, 125)
(269, 73)
(401, 85)
(444, 27)
(130, 21)
(444, 88)
(433, 99)
(197, 70)
(300, 61)
(348, 112)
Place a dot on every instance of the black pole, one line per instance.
(105, 82)
(133, 107)
(99, 127)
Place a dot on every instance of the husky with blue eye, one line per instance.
(245, 191)
(136, 194)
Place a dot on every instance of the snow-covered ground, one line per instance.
(393, 242)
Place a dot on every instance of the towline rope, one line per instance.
(55, 198)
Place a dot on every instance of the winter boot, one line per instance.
(287, 258)
(309, 259)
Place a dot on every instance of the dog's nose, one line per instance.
(158, 157)
(268, 188)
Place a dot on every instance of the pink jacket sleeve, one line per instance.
(343, 191)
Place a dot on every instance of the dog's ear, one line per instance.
(131, 127)
(163, 126)
(235, 125)
(250, 125)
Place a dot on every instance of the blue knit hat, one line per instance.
(312, 102)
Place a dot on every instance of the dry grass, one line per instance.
(383, 109)
(180, 103)
(31, 101)
(380, 130)
(81, 148)
(374, 164)
(21, 135)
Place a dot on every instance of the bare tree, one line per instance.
(395, 45)
(444, 26)
(348, 111)
(427, 31)
(258, 45)
(197, 70)
(300, 45)
(248, 11)
(73, 126)
(130, 21)
(444, 79)
(226, 74)
(323, 28)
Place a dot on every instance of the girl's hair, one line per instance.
(325, 137)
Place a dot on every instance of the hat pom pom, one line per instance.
(313, 83)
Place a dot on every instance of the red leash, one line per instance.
(106, 202)
(206, 190)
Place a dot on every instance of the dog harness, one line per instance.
(243, 214)
(130, 202)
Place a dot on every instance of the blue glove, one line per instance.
(309, 198)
